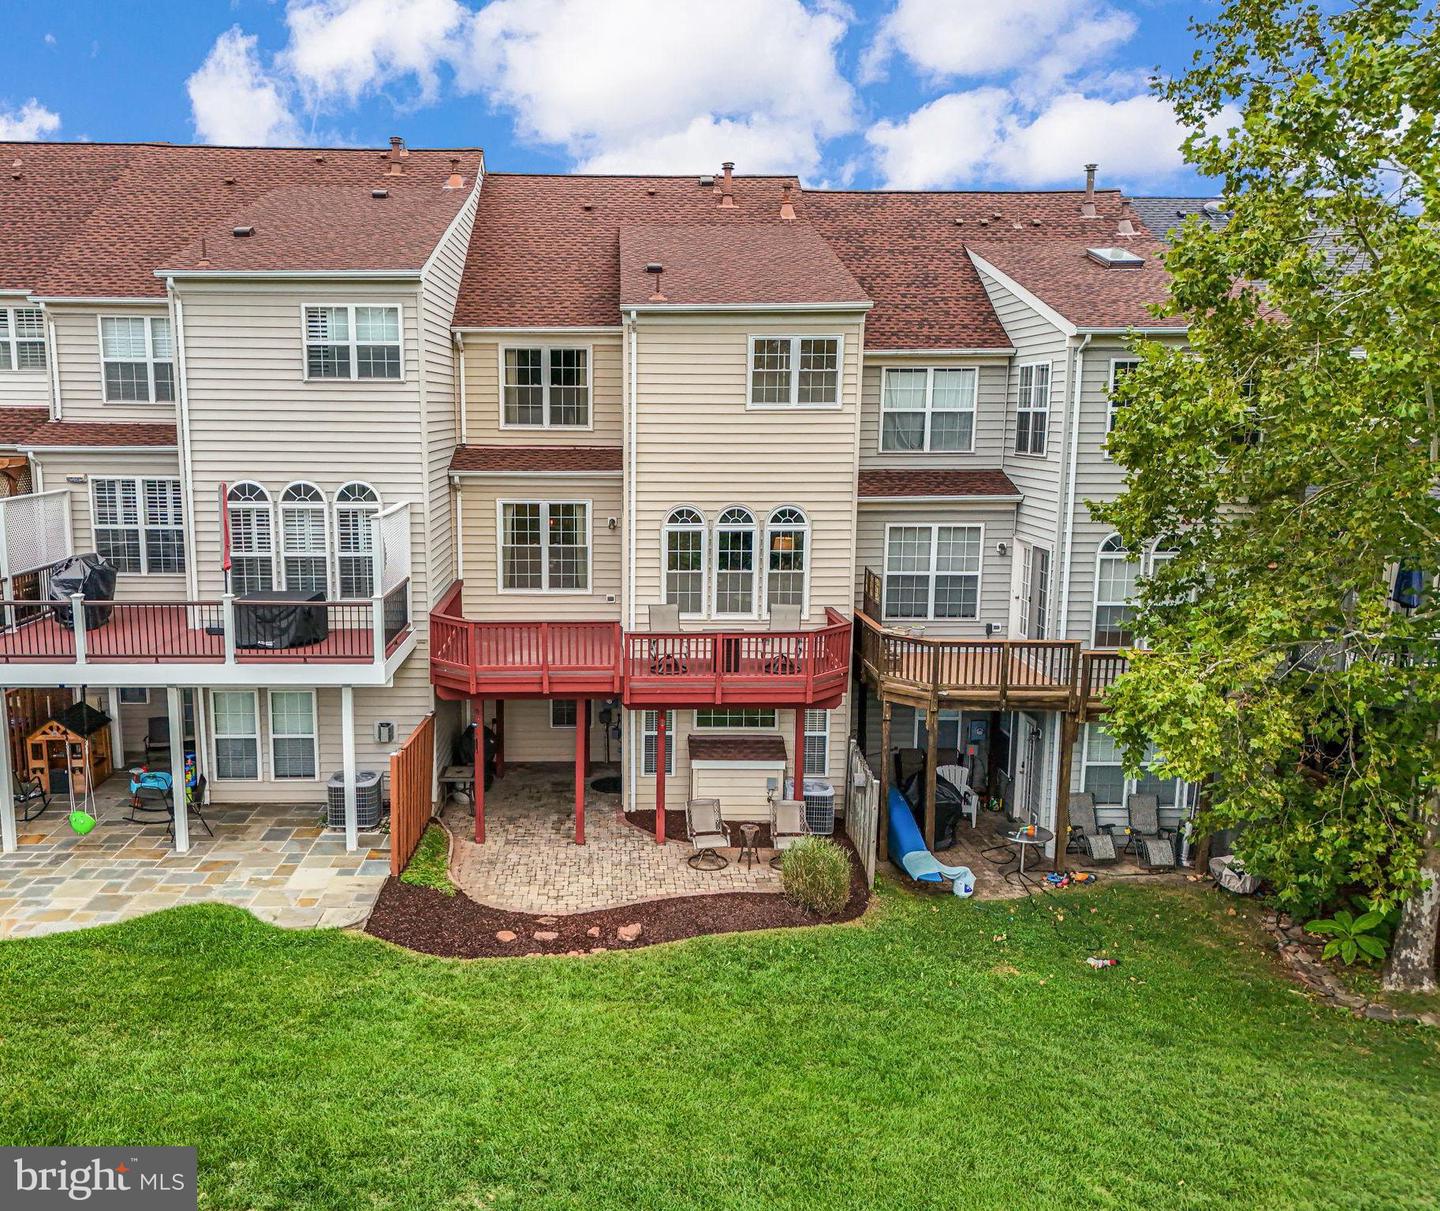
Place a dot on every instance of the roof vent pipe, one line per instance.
(654, 267)
(1088, 209)
(727, 192)
(454, 181)
(398, 148)
(787, 207)
(1126, 226)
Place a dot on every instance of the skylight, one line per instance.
(1115, 258)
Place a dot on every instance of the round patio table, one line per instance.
(1022, 837)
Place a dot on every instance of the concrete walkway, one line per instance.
(275, 861)
(530, 862)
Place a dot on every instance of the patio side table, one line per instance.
(1021, 838)
(748, 853)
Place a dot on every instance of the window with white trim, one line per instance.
(237, 734)
(735, 562)
(545, 387)
(544, 546)
(1104, 775)
(928, 409)
(134, 695)
(292, 734)
(817, 744)
(139, 524)
(137, 359)
(356, 504)
(252, 539)
(684, 539)
(734, 718)
(305, 552)
(787, 564)
(562, 712)
(22, 338)
(1119, 368)
(948, 736)
(649, 742)
(354, 342)
(1032, 408)
(1116, 576)
(794, 371)
(932, 571)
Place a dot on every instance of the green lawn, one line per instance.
(909, 1060)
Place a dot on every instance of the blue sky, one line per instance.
(904, 93)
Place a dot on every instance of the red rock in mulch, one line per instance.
(457, 927)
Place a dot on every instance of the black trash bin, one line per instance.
(90, 576)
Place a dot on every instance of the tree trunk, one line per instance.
(1411, 965)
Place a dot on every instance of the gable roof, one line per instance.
(130, 209)
(732, 264)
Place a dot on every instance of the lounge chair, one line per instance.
(787, 826)
(1086, 835)
(707, 834)
(1152, 846)
(666, 655)
(28, 792)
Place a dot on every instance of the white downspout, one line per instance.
(52, 353)
(632, 740)
(1072, 440)
(464, 408)
(182, 428)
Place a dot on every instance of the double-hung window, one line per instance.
(684, 536)
(817, 743)
(735, 562)
(137, 358)
(544, 546)
(1119, 368)
(139, 524)
(356, 505)
(1104, 776)
(932, 571)
(252, 539)
(787, 540)
(306, 555)
(22, 338)
(1117, 573)
(927, 409)
(545, 387)
(649, 742)
(237, 734)
(1032, 409)
(292, 733)
(794, 371)
(352, 342)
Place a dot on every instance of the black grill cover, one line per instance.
(90, 576)
(276, 619)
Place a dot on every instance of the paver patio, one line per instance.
(275, 860)
(530, 862)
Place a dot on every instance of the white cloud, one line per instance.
(983, 134)
(1045, 39)
(31, 121)
(234, 100)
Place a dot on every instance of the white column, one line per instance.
(8, 840)
(347, 758)
(177, 768)
(117, 733)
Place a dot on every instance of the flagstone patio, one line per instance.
(276, 861)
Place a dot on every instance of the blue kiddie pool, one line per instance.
(907, 851)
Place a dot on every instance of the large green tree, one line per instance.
(1291, 455)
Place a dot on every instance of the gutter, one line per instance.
(27, 449)
(731, 308)
(1007, 499)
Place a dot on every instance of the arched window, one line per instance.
(252, 538)
(305, 553)
(355, 505)
(787, 558)
(1116, 574)
(735, 562)
(684, 555)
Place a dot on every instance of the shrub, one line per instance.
(816, 873)
(428, 866)
(1352, 937)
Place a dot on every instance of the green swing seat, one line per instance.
(81, 822)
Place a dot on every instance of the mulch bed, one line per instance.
(675, 827)
(460, 928)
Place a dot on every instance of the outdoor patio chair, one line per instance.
(1086, 835)
(780, 660)
(1152, 846)
(157, 737)
(665, 660)
(194, 802)
(784, 617)
(787, 826)
(707, 834)
(959, 777)
(28, 792)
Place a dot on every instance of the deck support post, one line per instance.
(884, 830)
(1069, 729)
(9, 839)
(347, 766)
(799, 753)
(477, 790)
(499, 735)
(932, 745)
(660, 776)
(177, 768)
(582, 757)
(117, 734)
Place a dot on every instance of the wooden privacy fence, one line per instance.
(862, 810)
(412, 777)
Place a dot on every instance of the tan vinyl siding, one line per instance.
(698, 444)
(482, 390)
(999, 526)
(81, 375)
(55, 470)
(481, 546)
(529, 736)
(990, 413)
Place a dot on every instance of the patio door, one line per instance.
(1027, 738)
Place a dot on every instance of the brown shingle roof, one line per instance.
(736, 748)
(1060, 273)
(131, 209)
(536, 458)
(16, 424)
(727, 263)
(923, 481)
(100, 433)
